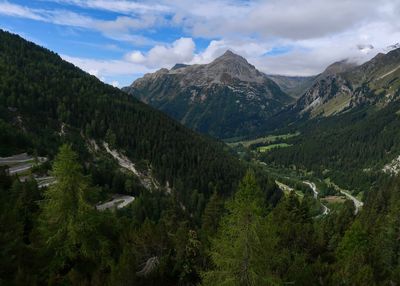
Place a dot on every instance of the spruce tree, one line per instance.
(241, 251)
(67, 222)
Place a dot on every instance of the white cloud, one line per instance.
(9, 9)
(290, 19)
(180, 51)
(115, 83)
(107, 68)
(303, 57)
(246, 48)
(312, 56)
(121, 6)
(121, 28)
(317, 32)
(136, 57)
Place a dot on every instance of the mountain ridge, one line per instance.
(344, 85)
(228, 97)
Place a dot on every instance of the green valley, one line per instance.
(257, 144)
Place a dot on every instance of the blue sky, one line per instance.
(120, 40)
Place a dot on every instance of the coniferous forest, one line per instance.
(201, 214)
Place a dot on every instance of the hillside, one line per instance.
(344, 85)
(348, 122)
(47, 101)
(134, 198)
(225, 98)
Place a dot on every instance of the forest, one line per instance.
(57, 237)
(214, 220)
(349, 148)
(40, 93)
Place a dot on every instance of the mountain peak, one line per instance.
(229, 55)
(229, 60)
(178, 66)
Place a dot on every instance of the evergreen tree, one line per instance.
(212, 215)
(353, 258)
(68, 224)
(241, 251)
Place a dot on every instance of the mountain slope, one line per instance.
(349, 123)
(225, 98)
(51, 101)
(344, 86)
(295, 86)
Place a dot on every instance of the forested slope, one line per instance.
(208, 229)
(55, 235)
(351, 148)
(52, 101)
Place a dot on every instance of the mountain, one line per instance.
(349, 124)
(294, 86)
(112, 145)
(226, 98)
(48, 101)
(344, 85)
(188, 228)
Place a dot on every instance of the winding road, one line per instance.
(357, 203)
(313, 187)
(20, 163)
(119, 202)
(283, 187)
(23, 162)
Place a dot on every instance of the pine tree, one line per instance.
(212, 215)
(241, 251)
(353, 267)
(67, 222)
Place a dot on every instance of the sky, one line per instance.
(120, 40)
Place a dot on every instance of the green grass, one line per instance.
(266, 140)
(335, 105)
(272, 146)
(287, 189)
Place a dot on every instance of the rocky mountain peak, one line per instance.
(229, 53)
(224, 98)
(233, 66)
(179, 66)
(230, 57)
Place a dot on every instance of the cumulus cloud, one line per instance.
(277, 36)
(311, 56)
(107, 68)
(180, 51)
(246, 48)
(289, 19)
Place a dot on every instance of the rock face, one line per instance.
(226, 98)
(344, 85)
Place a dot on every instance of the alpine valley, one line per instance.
(203, 174)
